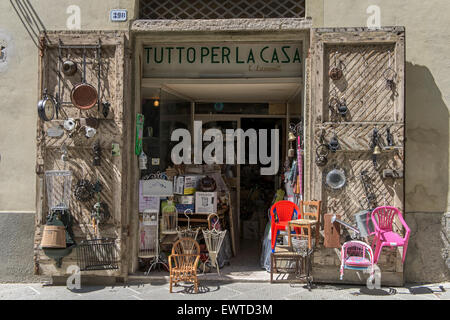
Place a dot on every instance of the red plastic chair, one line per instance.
(383, 218)
(281, 213)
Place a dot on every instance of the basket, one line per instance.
(53, 237)
(97, 254)
(59, 186)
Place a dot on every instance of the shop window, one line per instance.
(232, 108)
(218, 9)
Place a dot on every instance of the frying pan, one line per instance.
(84, 96)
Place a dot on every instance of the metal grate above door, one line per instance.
(219, 9)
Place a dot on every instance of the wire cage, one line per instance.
(169, 219)
(148, 230)
(97, 254)
(214, 239)
(300, 246)
(59, 186)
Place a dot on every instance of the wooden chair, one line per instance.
(309, 218)
(183, 262)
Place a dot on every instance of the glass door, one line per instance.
(164, 112)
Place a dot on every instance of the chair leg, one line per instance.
(374, 241)
(405, 246)
(309, 236)
(274, 234)
(170, 286)
(196, 286)
(378, 250)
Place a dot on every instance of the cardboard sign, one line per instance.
(206, 202)
(157, 187)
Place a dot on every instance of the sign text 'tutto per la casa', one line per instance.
(226, 59)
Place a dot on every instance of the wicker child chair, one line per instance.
(183, 262)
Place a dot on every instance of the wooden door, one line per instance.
(106, 69)
(367, 59)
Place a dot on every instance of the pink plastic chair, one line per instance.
(383, 218)
(281, 213)
(356, 255)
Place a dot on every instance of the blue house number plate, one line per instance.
(118, 15)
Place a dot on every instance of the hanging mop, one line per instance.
(213, 240)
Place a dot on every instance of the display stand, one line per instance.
(302, 269)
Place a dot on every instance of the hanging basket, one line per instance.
(187, 232)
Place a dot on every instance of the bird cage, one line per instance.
(169, 218)
(148, 230)
(97, 254)
(214, 239)
(187, 232)
(59, 186)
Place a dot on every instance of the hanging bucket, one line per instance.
(54, 237)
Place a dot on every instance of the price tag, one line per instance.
(118, 15)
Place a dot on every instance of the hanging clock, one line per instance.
(47, 107)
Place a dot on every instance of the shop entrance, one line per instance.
(253, 107)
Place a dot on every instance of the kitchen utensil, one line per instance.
(69, 67)
(84, 96)
(336, 179)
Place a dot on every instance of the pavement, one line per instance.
(219, 290)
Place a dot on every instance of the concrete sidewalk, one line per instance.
(223, 291)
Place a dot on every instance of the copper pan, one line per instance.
(84, 96)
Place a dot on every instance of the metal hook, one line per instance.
(188, 219)
(209, 221)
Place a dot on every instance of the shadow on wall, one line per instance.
(29, 18)
(426, 177)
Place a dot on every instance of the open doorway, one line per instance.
(182, 106)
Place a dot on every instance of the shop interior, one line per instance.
(244, 196)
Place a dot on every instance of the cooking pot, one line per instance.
(84, 96)
(69, 68)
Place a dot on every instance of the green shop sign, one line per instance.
(223, 60)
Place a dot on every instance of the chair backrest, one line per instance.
(384, 216)
(185, 253)
(356, 249)
(310, 209)
(186, 246)
(284, 210)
